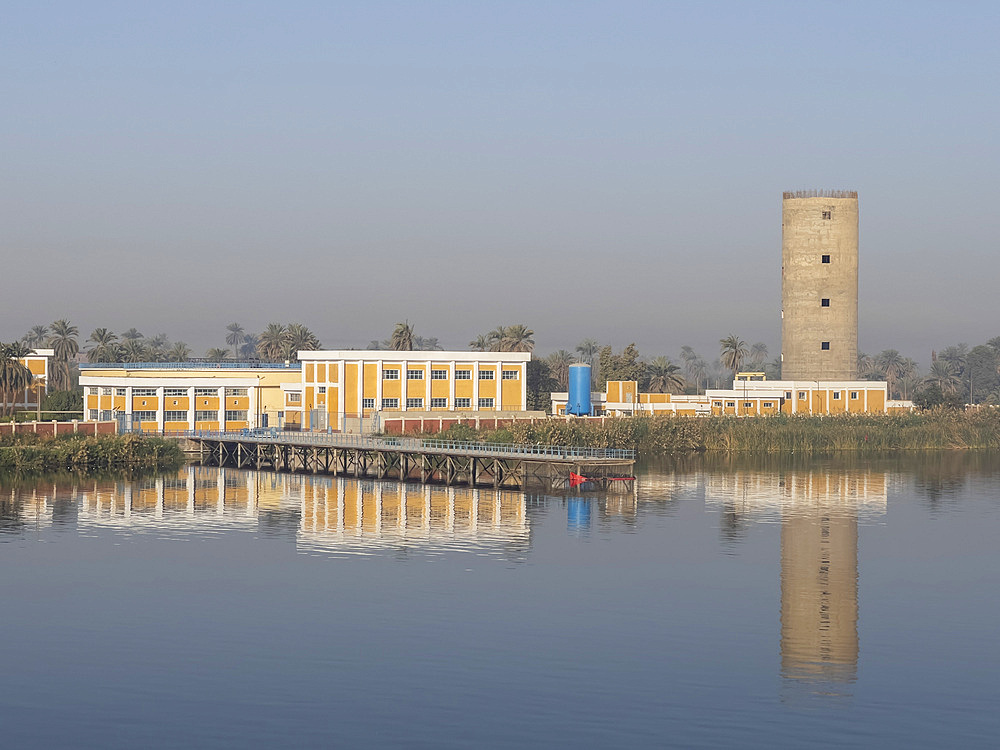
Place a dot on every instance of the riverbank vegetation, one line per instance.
(32, 453)
(933, 429)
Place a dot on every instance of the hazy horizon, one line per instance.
(606, 171)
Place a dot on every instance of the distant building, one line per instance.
(348, 390)
(819, 285)
(39, 361)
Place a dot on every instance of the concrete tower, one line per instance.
(819, 285)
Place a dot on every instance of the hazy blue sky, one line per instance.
(611, 170)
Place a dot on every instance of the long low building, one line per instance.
(751, 395)
(348, 390)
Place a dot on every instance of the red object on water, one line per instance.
(575, 479)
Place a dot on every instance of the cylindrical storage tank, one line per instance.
(819, 285)
(579, 390)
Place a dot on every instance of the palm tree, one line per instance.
(559, 362)
(480, 344)
(272, 342)
(588, 349)
(105, 347)
(298, 338)
(517, 338)
(216, 354)
(428, 344)
(734, 351)
(36, 336)
(891, 365)
(131, 333)
(942, 374)
(758, 353)
(698, 370)
(402, 337)
(156, 347)
(15, 377)
(866, 366)
(664, 376)
(235, 336)
(496, 337)
(957, 356)
(248, 349)
(62, 338)
(134, 350)
(179, 352)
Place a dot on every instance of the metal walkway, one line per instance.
(407, 459)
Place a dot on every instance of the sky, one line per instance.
(593, 170)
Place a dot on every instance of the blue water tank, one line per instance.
(579, 390)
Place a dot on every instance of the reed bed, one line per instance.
(30, 453)
(935, 429)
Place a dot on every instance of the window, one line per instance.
(414, 374)
(802, 395)
(463, 374)
(439, 374)
(390, 403)
(826, 258)
(485, 403)
(825, 345)
(321, 389)
(717, 403)
(788, 395)
(854, 395)
(106, 415)
(767, 404)
(206, 416)
(92, 415)
(463, 403)
(730, 404)
(206, 392)
(175, 391)
(143, 391)
(825, 302)
(439, 403)
(390, 374)
(828, 215)
(93, 391)
(294, 398)
(836, 395)
(509, 374)
(367, 403)
(414, 403)
(236, 416)
(144, 416)
(748, 404)
(486, 374)
(236, 391)
(119, 391)
(105, 391)
(175, 416)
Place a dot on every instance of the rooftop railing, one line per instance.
(189, 365)
(388, 442)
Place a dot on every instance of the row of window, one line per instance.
(393, 374)
(436, 403)
(235, 415)
(173, 392)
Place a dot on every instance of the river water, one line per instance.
(736, 603)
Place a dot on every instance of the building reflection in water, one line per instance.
(323, 514)
(819, 512)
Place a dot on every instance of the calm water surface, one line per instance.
(750, 604)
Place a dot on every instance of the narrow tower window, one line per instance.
(826, 258)
(824, 345)
(828, 214)
(825, 302)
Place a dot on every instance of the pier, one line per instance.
(446, 462)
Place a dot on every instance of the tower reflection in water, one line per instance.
(819, 512)
(325, 514)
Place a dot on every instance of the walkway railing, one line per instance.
(455, 447)
(190, 365)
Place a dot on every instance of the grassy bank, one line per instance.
(938, 429)
(31, 453)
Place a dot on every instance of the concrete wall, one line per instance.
(814, 225)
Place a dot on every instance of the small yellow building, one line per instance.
(39, 362)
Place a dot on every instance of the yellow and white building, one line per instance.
(346, 390)
(751, 395)
(39, 362)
